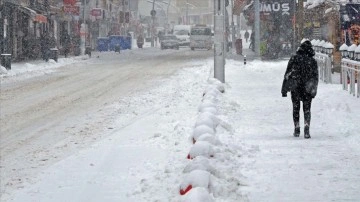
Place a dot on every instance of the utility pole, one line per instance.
(83, 31)
(232, 26)
(124, 21)
(167, 16)
(153, 13)
(301, 20)
(187, 12)
(257, 27)
(238, 28)
(219, 43)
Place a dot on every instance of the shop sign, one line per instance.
(267, 8)
(74, 10)
(40, 18)
(96, 12)
(69, 2)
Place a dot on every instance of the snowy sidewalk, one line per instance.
(280, 167)
(32, 68)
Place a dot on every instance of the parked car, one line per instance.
(169, 41)
(182, 33)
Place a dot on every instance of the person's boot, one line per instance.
(307, 132)
(297, 132)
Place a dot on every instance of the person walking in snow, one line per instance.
(252, 41)
(67, 44)
(301, 79)
(140, 41)
(246, 36)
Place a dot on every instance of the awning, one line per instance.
(33, 14)
(28, 11)
(40, 18)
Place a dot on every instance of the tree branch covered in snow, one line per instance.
(314, 3)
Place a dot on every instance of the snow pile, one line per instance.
(201, 148)
(196, 178)
(199, 163)
(38, 67)
(201, 130)
(198, 194)
(208, 176)
(2, 70)
(313, 3)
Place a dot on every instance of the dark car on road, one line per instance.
(170, 41)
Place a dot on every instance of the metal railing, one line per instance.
(350, 68)
(324, 62)
(350, 76)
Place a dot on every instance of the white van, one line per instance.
(201, 37)
(182, 33)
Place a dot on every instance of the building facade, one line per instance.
(25, 23)
(32, 26)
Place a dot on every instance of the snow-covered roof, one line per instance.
(329, 10)
(314, 3)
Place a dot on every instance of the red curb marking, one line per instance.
(188, 188)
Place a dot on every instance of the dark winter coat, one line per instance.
(301, 77)
(246, 34)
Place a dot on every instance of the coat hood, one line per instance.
(306, 49)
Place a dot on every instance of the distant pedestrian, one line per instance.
(252, 41)
(246, 36)
(301, 79)
(67, 44)
(140, 41)
(45, 46)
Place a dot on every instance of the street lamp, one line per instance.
(312, 42)
(351, 51)
(153, 13)
(343, 49)
(329, 48)
(187, 11)
(161, 7)
(321, 46)
(315, 44)
(357, 53)
(167, 12)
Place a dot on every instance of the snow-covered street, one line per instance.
(130, 143)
